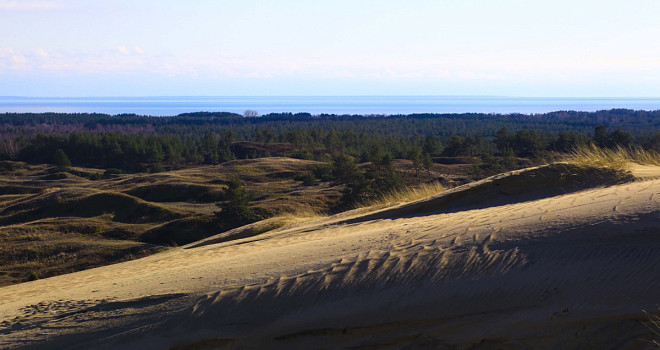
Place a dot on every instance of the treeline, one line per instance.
(136, 143)
(442, 125)
(138, 152)
(131, 152)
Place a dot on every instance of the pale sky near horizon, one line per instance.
(341, 47)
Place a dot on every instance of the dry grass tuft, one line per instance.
(267, 225)
(644, 157)
(408, 194)
(288, 219)
(619, 158)
(653, 324)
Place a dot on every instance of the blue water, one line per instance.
(168, 106)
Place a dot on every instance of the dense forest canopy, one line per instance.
(142, 143)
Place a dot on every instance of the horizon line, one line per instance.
(384, 95)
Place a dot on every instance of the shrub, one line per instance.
(112, 171)
(307, 179)
(322, 172)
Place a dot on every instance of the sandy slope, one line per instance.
(532, 259)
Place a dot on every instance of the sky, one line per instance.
(536, 48)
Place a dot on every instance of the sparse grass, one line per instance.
(283, 220)
(48, 254)
(619, 158)
(249, 170)
(644, 157)
(295, 218)
(653, 324)
(408, 194)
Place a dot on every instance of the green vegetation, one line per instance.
(33, 276)
(154, 144)
(235, 209)
(62, 162)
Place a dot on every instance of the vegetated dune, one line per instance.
(56, 222)
(557, 257)
(85, 203)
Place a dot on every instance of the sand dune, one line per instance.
(554, 257)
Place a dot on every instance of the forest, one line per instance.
(132, 143)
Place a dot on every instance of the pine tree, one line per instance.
(416, 158)
(427, 161)
(235, 210)
(61, 160)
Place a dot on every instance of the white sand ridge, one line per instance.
(550, 257)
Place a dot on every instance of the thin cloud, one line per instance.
(29, 5)
(126, 61)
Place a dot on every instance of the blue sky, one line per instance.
(291, 47)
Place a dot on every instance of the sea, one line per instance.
(362, 105)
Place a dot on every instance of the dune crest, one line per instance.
(549, 257)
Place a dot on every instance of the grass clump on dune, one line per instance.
(408, 194)
(619, 158)
(285, 219)
(295, 218)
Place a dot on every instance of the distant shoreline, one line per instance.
(341, 105)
